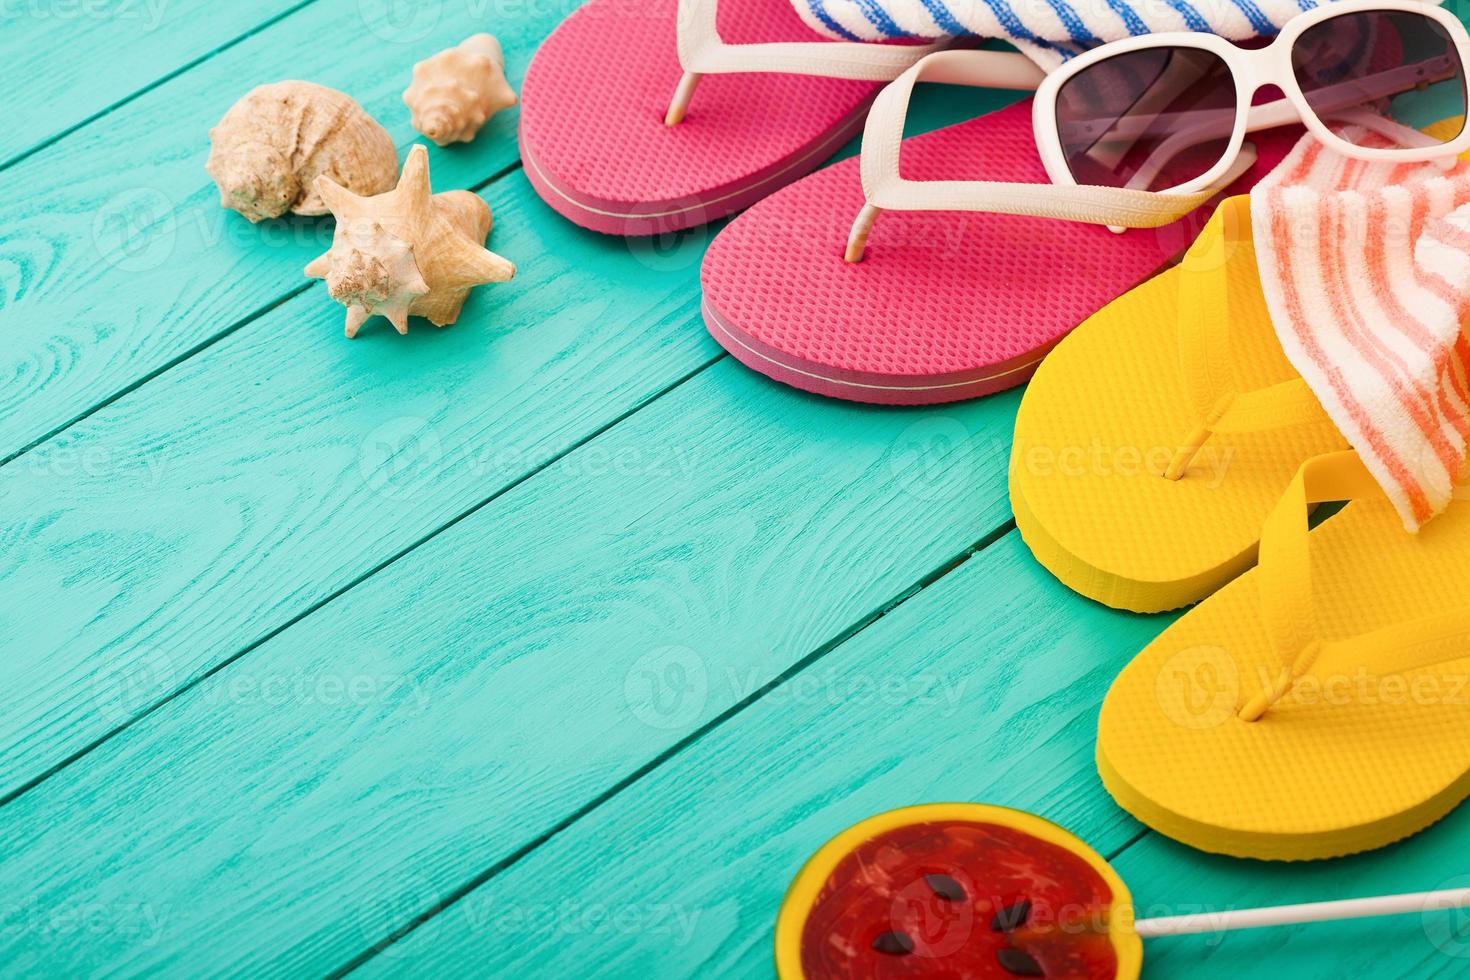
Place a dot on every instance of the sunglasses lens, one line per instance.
(1150, 120)
(1373, 76)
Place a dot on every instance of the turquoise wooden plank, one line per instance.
(203, 477)
(463, 700)
(116, 259)
(66, 64)
(208, 508)
(984, 686)
(1167, 878)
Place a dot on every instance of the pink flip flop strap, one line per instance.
(703, 51)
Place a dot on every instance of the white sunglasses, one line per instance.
(1170, 112)
(1140, 132)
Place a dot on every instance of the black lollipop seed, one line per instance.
(894, 944)
(1011, 917)
(945, 887)
(1018, 963)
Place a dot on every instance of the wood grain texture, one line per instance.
(116, 258)
(67, 62)
(194, 516)
(985, 686)
(310, 797)
(189, 519)
(476, 697)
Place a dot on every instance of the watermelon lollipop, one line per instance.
(966, 890)
(958, 890)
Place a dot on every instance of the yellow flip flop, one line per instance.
(1155, 439)
(1316, 706)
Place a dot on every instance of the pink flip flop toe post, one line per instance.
(762, 100)
(944, 305)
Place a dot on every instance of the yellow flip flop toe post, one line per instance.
(1319, 705)
(1156, 437)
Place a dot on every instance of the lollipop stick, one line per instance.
(1289, 915)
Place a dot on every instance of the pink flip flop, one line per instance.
(944, 305)
(649, 117)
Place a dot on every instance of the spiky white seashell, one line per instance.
(407, 252)
(456, 92)
(271, 146)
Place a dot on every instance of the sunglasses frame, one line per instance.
(1252, 70)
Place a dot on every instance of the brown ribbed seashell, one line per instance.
(272, 145)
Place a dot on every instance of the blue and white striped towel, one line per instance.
(1050, 31)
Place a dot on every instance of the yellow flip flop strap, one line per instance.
(1290, 610)
(1204, 352)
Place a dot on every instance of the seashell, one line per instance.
(456, 91)
(407, 252)
(272, 145)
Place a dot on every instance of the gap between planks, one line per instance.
(597, 802)
(1118, 851)
(607, 795)
(240, 654)
(207, 343)
(139, 93)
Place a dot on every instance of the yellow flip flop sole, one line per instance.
(1351, 757)
(1114, 403)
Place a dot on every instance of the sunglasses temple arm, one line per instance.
(981, 69)
(1334, 101)
(1327, 101)
(1287, 915)
(1268, 116)
(1281, 113)
(1244, 160)
(1405, 136)
(1182, 142)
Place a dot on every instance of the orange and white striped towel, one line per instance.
(1366, 272)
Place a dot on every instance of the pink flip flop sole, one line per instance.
(946, 305)
(592, 119)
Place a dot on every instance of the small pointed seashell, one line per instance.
(408, 252)
(455, 92)
(272, 145)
